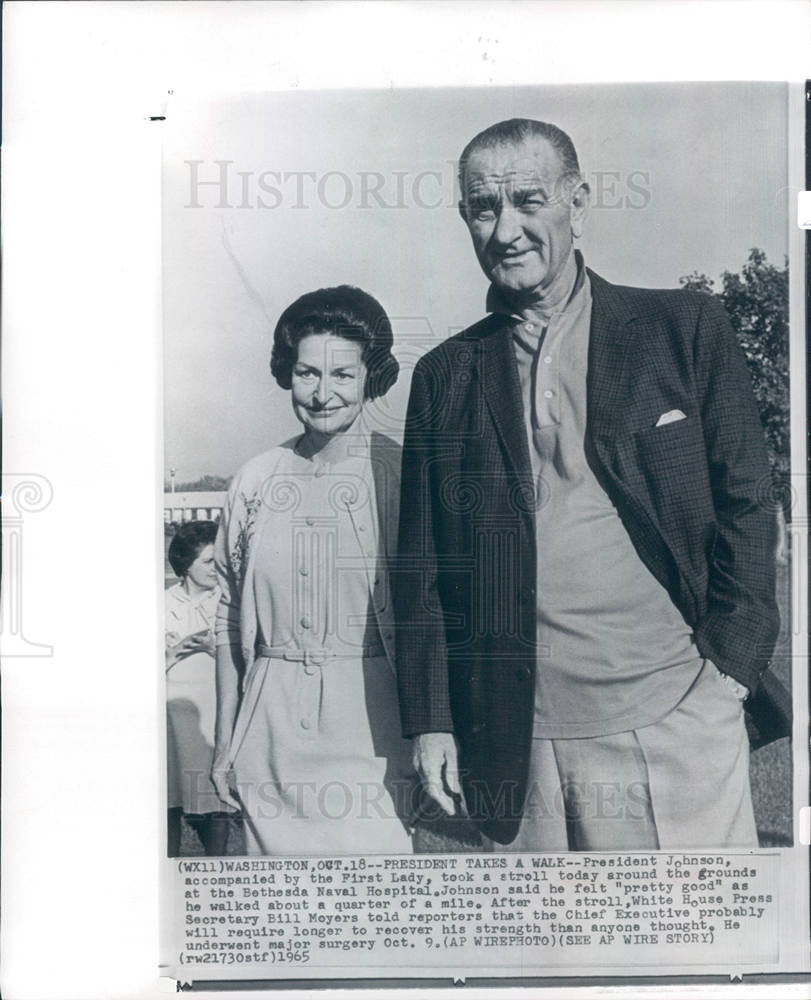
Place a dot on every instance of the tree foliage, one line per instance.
(756, 301)
(211, 484)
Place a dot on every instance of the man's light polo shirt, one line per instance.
(614, 652)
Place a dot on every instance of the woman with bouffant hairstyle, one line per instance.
(349, 313)
(308, 733)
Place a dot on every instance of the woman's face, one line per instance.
(328, 383)
(202, 571)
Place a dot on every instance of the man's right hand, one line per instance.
(436, 762)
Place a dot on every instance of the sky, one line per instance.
(268, 196)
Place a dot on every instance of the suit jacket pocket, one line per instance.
(672, 462)
(677, 436)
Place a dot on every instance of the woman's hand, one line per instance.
(228, 660)
(197, 642)
(222, 778)
(210, 645)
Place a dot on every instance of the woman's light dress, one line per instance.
(317, 754)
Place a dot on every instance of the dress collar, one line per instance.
(355, 445)
(180, 594)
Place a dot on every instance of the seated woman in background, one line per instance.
(190, 692)
(308, 727)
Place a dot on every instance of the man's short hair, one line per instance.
(516, 130)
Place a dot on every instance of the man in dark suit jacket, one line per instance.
(585, 587)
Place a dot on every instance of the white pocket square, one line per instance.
(670, 417)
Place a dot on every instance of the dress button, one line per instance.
(305, 622)
(522, 673)
(310, 521)
(547, 360)
(548, 393)
(305, 723)
(361, 527)
(320, 471)
(529, 326)
(309, 670)
(304, 571)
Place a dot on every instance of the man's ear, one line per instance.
(578, 207)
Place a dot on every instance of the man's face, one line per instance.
(521, 214)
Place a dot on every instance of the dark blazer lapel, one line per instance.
(611, 338)
(610, 369)
(498, 373)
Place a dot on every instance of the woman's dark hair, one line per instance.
(189, 541)
(346, 312)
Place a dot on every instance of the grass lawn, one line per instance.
(771, 766)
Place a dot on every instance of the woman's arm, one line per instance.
(228, 553)
(228, 678)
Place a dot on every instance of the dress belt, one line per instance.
(318, 655)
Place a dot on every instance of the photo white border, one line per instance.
(81, 384)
